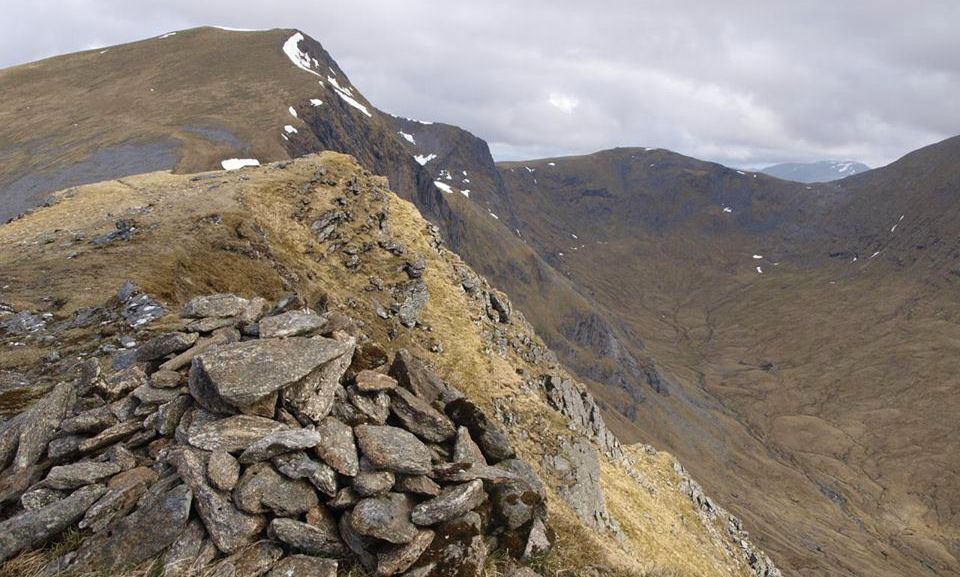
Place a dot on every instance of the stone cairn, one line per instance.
(266, 441)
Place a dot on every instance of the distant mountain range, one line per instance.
(820, 171)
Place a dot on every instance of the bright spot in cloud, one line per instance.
(563, 103)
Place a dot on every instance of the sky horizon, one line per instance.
(738, 82)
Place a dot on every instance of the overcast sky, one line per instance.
(741, 82)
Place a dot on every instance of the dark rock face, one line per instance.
(152, 468)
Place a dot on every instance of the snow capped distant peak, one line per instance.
(407, 137)
(423, 160)
(299, 57)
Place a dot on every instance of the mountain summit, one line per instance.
(820, 171)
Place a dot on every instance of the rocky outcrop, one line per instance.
(198, 462)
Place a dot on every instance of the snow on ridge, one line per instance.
(167, 35)
(443, 186)
(229, 29)
(347, 95)
(411, 119)
(299, 57)
(423, 160)
(238, 163)
(408, 137)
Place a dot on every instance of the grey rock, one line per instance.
(463, 550)
(360, 545)
(40, 497)
(169, 414)
(179, 558)
(232, 434)
(147, 393)
(420, 418)
(452, 502)
(337, 447)
(32, 527)
(137, 537)
(62, 448)
(139, 309)
(345, 499)
(398, 558)
(291, 324)
(386, 517)
(499, 307)
(493, 441)
(40, 422)
(228, 527)
(465, 450)
(412, 297)
(223, 470)
(375, 407)
(583, 412)
(412, 374)
(304, 566)
(166, 379)
(123, 493)
(578, 469)
(109, 436)
(245, 372)
(252, 561)
(422, 571)
(538, 541)
(166, 344)
(373, 483)
(418, 485)
(261, 489)
(465, 472)
(14, 482)
(279, 443)
(298, 465)
(120, 383)
(394, 449)
(220, 337)
(80, 474)
(217, 305)
(312, 398)
(368, 381)
(307, 538)
(91, 421)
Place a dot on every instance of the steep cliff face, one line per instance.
(323, 237)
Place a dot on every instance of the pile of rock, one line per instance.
(266, 440)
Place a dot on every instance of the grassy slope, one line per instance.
(261, 245)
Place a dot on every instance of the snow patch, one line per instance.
(741, 172)
(876, 253)
(316, 101)
(465, 192)
(238, 163)
(290, 130)
(551, 164)
(167, 35)
(299, 58)
(574, 236)
(423, 160)
(293, 112)
(727, 209)
(229, 29)
(759, 270)
(757, 256)
(407, 137)
(443, 186)
(494, 216)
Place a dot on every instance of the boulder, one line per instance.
(368, 381)
(386, 517)
(312, 398)
(462, 552)
(39, 424)
(374, 407)
(360, 545)
(179, 558)
(243, 373)
(465, 450)
(578, 470)
(232, 434)
(337, 447)
(223, 470)
(412, 374)
(291, 324)
(398, 558)
(252, 561)
(109, 436)
(218, 305)
(261, 489)
(279, 443)
(420, 418)
(169, 414)
(393, 449)
(307, 538)
(493, 441)
(137, 537)
(304, 566)
(298, 465)
(80, 474)
(124, 490)
(452, 502)
(412, 297)
(372, 483)
(166, 344)
(31, 528)
(91, 421)
(418, 485)
(538, 541)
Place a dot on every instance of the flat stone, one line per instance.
(166, 379)
(373, 483)
(245, 372)
(14, 482)
(40, 423)
(107, 437)
(360, 545)
(40, 497)
(252, 561)
(465, 450)
(462, 552)
(92, 421)
(137, 537)
(345, 499)
(124, 490)
(412, 374)
(169, 414)
(491, 438)
(312, 398)
(220, 337)
(63, 448)
(80, 474)
(223, 470)
(147, 393)
(279, 443)
(120, 383)
(304, 566)
(30, 528)
(217, 305)
(394, 449)
(337, 447)
(166, 344)
(368, 381)
(418, 485)
(452, 502)
(464, 472)
(261, 489)
(375, 407)
(307, 538)
(179, 558)
(298, 465)
(386, 517)
(228, 527)
(538, 541)
(291, 324)
(420, 418)
(232, 434)
(398, 558)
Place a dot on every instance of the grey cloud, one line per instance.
(740, 82)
